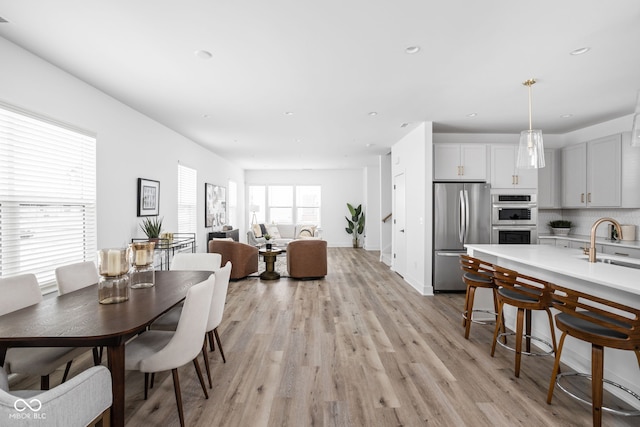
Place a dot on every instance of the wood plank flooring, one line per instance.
(359, 348)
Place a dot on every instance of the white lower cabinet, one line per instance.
(617, 250)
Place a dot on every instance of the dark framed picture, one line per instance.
(148, 197)
(215, 205)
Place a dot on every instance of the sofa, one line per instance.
(307, 259)
(281, 234)
(243, 257)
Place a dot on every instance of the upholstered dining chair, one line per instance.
(22, 291)
(169, 321)
(155, 351)
(83, 400)
(77, 276)
(196, 261)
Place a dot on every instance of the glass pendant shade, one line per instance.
(530, 150)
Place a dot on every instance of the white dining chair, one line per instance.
(83, 400)
(196, 261)
(22, 291)
(169, 321)
(156, 351)
(77, 276)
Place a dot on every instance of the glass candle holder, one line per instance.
(142, 272)
(113, 267)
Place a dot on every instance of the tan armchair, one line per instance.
(307, 258)
(243, 257)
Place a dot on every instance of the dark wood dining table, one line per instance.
(77, 319)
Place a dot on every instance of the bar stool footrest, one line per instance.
(480, 322)
(526, 353)
(623, 413)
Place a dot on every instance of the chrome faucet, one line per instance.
(592, 248)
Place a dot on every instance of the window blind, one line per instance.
(187, 199)
(47, 196)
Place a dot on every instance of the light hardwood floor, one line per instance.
(359, 348)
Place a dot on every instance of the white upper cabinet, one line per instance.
(459, 162)
(504, 173)
(591, 174)
(549, 180)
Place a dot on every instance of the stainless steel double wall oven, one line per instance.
(514, 219)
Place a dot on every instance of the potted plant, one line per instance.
(560, 227)
(355, 225)
(267, 237)
(152, 227)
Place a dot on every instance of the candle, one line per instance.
(113, 262)
(141, 257)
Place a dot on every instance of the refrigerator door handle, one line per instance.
(466, 215)
(449, 254)
(461, 229)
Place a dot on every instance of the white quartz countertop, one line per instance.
(569, 262)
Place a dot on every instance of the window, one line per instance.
(277, 204)
(187, 200)
(308, 204)
(47, 195)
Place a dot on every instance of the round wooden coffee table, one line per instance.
(269, 257)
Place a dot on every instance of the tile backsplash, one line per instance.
(583, 219)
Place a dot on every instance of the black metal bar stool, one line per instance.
(602, 323)
(477, 274)
(526, 293)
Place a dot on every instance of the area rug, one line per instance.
(280, 266)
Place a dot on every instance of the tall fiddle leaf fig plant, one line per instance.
(355, 225)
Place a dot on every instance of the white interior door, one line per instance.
(399, 261)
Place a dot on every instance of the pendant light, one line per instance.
(530, 149)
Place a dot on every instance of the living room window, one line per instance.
(285, 204)
(47, 195)
(187, 199)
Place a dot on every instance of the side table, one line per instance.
(269, 257)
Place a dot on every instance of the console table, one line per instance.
(181, 242)
(234, 234)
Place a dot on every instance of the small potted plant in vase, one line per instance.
(560, 227)
(269, 245)
(152, 227)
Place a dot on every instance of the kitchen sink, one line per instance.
(618, 263)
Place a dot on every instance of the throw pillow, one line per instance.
(307, 231)
(273, 231)
(257, 230)
(264, 229)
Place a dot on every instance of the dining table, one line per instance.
(77, 319)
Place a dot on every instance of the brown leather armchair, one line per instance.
(243, 257)
(307, 258)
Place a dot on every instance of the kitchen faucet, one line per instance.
(592, 248)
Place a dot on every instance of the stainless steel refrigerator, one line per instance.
(461, 214)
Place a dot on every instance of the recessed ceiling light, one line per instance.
(566, 116)
(373, 113)
(404, 125)
(369, 145)
(472, 114)
(203, 54)
(580, 51)
(412, 49)
(288, 113)
(205, 116)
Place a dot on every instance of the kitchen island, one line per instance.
(570, 268)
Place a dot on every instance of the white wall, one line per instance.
(386, 207)
(339, 187)
(129, 144)
(372, 201)
(412, 155)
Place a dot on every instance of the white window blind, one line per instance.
(47, 196)
(187, 181)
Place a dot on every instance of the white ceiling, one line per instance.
(332, 62)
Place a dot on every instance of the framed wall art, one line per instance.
(148, 197)
(215, 206)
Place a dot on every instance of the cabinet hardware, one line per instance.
(581, 197)
(620, 253)
(462, 169)
(588, 197)
(517, 179)
(458, 170)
